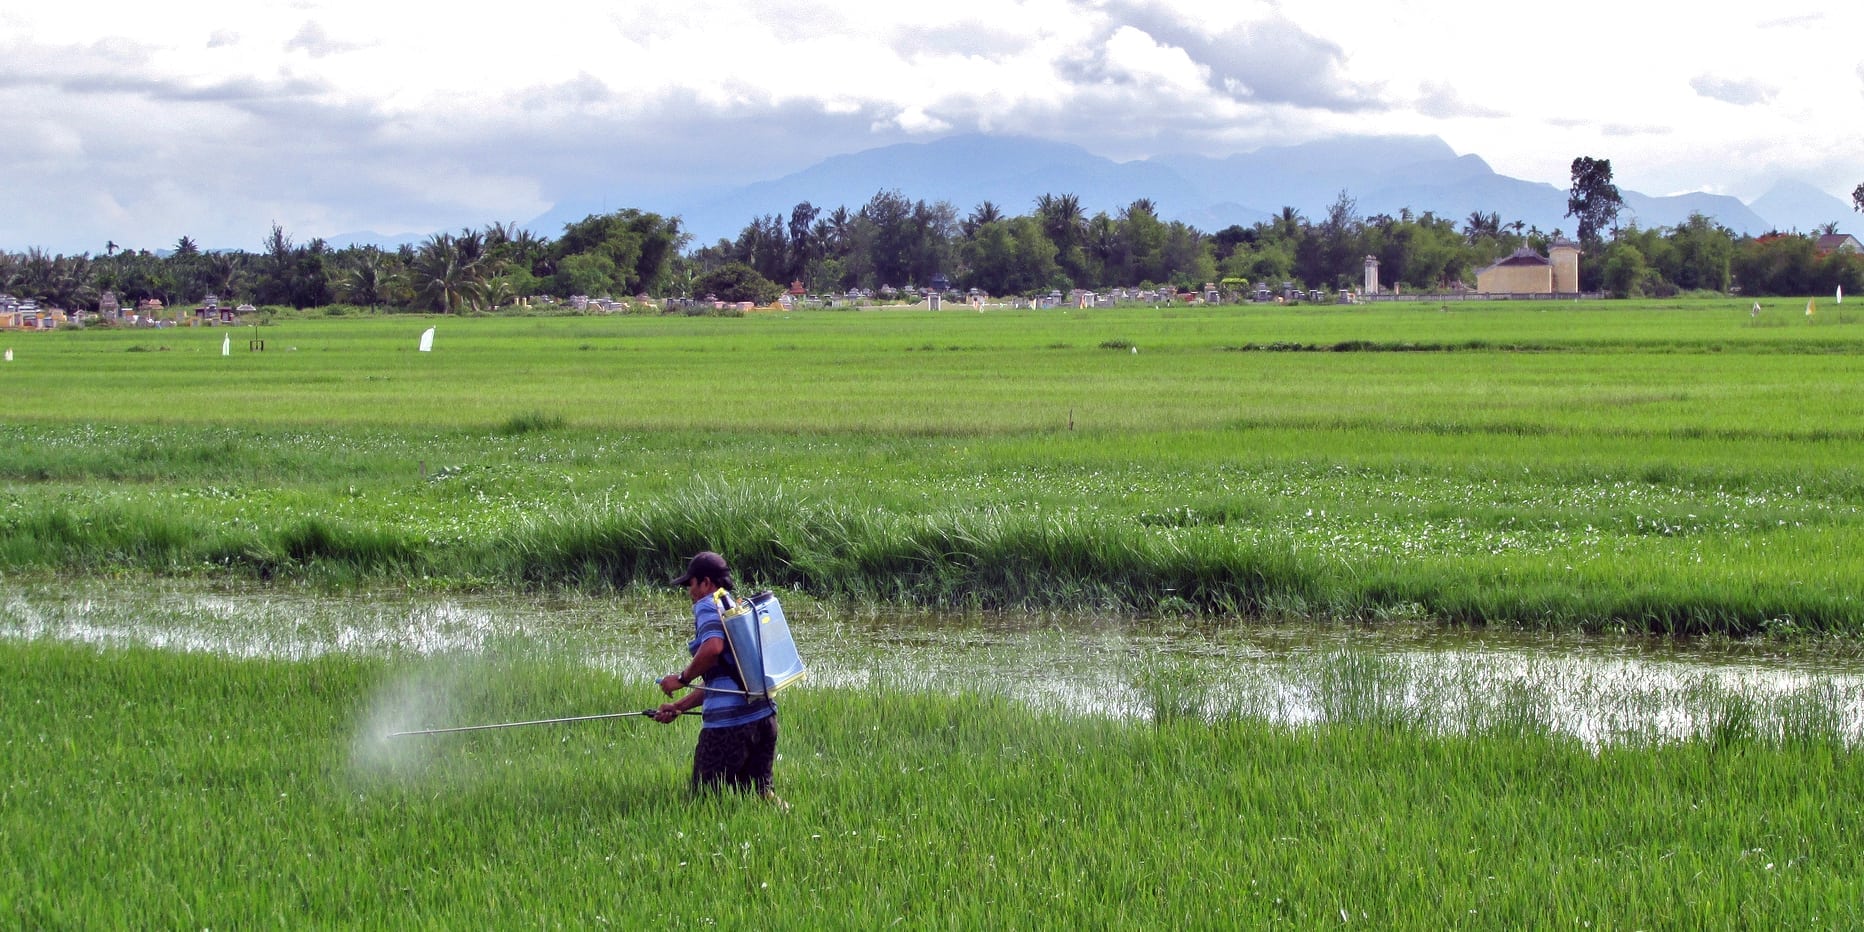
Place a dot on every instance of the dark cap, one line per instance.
(705, 565)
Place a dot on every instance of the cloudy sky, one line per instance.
(142, 122)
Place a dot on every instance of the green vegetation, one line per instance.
(896, 242)
(163, 789)
(1679, 467)
(1683, 467)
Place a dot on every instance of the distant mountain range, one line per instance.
(1383, 175)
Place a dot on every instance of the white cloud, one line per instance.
(336, 115)
(1733, 91)
(1133, 55)
(915, 121)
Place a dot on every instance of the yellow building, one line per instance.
(1529, 272)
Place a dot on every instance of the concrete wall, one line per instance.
(1518, 279)
(1565, 268)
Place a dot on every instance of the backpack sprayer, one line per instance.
(761, 647)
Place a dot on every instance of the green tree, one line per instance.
(735, 281)
(641, 245)
(1012, 256)
(365, 278)
(446, 277)
(1436, 254)
(879, 241)
(1186, 257)
(1704, 252)
(763, 245)
(1329, 253)
(1138, 248)
(1776, 264)
(803, 246)
(1625, 272)
(1857, 198)
(984, 212)
(1482, 226)
(1593, 199)
(1065, 224)
(586, 273)
(276, 268)
(1839, 269)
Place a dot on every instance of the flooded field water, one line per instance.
(1596, 688)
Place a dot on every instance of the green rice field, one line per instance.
(1684, 467)
(166, 789)
(226, 581)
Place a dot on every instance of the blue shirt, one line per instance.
(723, 709)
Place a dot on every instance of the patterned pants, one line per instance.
(740, 756)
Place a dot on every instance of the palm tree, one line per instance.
(1482, 226)
(840, 232)
(1287, 225)
(1103, 239)
(1062, 219)
(444, 279)
(366, 281)
(984, 212)
(220, 272)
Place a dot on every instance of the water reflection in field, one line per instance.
(1597, 688)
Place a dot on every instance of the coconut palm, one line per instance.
(1481, 226)
(1062, 218)
(445, 277)
(220, 272)
(367, 280)
(985, 212)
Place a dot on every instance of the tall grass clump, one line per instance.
(530, 422)
(959, 557)
(111, 536)
(1361, 689)
(1167, 690)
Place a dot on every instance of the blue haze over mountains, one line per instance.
(1383, 174)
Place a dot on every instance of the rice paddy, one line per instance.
(1486, 616)
(1669, 468)
(145, 788)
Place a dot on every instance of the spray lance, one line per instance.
(646, 713)
(761, 645)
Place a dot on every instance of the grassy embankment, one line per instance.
(159, 789)
(1668, 467)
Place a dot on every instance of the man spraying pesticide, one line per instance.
(734, 648)
(744, 653)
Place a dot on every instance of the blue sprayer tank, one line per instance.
(761, 643)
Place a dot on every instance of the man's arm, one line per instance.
(702, 663)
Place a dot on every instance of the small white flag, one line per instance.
(427, 341)
(9, 355)
(1841, 295)
(226, 346)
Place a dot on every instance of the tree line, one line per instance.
(893, 241)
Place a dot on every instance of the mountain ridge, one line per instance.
(1382, 174)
